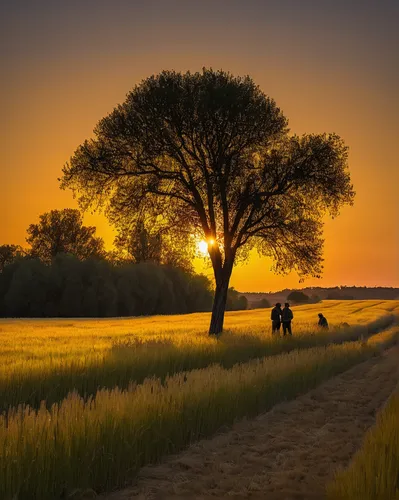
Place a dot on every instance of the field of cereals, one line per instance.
(87, 405)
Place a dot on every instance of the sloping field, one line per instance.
(87, 403)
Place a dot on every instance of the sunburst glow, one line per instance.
(203, 246)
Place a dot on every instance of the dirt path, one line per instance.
(288, 453)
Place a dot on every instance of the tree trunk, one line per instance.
(219, 306)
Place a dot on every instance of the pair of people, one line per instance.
(282, 316)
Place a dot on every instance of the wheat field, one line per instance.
(86, 403)
(374, 471)
(45, 359)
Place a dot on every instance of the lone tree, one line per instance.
(62, 231)
(211, 152)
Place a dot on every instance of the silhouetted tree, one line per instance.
(199, 294)
(210, 153)
(62, 231)
(339, 296)
(28, 289)
(137, 243)
(261, 304)
(69, 287)
(235, 301)
(298, 297)
(9, 254)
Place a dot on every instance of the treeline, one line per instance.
(70, 287)
(315, 294)
(66, 272)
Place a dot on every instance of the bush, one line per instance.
(298, 297)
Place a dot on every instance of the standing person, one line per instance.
(276, 318)
(286, 317)
(323, 323)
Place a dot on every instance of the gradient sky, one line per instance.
(331, 66)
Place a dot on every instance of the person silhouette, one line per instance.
(323, 323)
(287, 316)
(276, 318)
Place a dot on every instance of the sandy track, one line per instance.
(288, 453)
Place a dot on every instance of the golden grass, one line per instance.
(374, 472)
(46, 359)
(40, 338)
(102, 442)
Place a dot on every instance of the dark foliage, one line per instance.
(9, 254)
(69, 287)
(62, 231)
(339, 296)
(137, 243)
(260, 304)
(235, 301)
(314, 299)
(318, 293)
(211, 154)
(298, 297)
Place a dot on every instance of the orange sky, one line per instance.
(329, 71)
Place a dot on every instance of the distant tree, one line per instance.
(199, 294)
(314, 299)
(339, 296)
(236, 301)
(298, 297)
(62, 231)
(137, 244)
(210, 153)
(28, 289)
(9, 254)
(261, 304)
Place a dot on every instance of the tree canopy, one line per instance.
(211, 154)
(138, 243)
(70, 287)
(261, 304)
(235, 301)
(9, 254)
(62, 231)
(298, 297)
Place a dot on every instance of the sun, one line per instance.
(203, 246)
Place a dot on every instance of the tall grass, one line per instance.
(39, 339)
(374, 471)
(133, 359)
(102, 442)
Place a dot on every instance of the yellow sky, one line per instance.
(52, 100)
